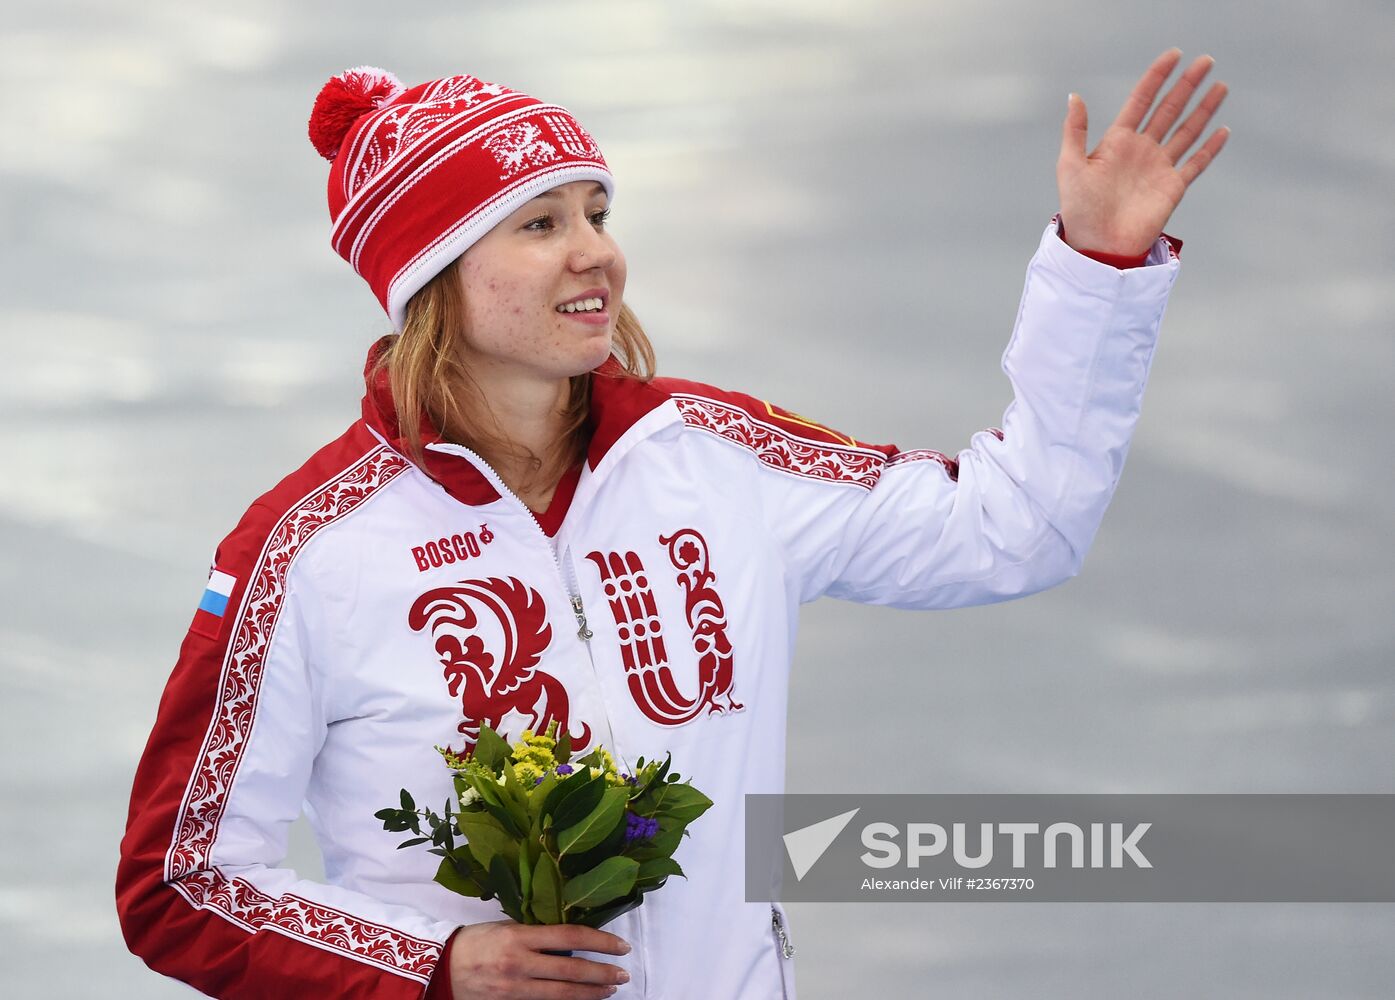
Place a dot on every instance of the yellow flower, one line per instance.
(535, 752)
(527, 773)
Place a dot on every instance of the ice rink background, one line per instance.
(830, 205)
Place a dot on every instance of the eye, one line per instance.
(600, 218)
(540, 223)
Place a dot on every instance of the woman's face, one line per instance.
(553, 251)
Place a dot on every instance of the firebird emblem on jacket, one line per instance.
(514, 618)
(647, 670)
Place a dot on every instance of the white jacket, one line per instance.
(374, 611)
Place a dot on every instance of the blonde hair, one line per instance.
(428, 377)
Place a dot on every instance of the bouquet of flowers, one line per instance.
(556, 841)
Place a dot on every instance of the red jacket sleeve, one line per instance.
(1122, 261)
(440, 988)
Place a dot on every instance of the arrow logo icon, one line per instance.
(806, 845)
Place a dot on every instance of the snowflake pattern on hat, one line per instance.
(518, 146)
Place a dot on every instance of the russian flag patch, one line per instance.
(208, 619)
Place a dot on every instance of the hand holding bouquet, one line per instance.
(556, 841)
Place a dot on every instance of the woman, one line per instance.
(525, 527)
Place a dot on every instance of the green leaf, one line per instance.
(609, 880)
(450, 876)
(490, 749)
(547, 891)
(680, 802)
(596, 825)
(525, 882)
(515, 799)
(394, 820)
(413, 842)
(449, 828)
(600, 916)
(538, 794)
(407, 804)
(562, 752)
(661, 845)
(658, 776)
(501, 880)
(658, 868)
(494, 805)
(592, 759)
(612, 844)
(535, 802)
(583, 798)
(486, 838)
(564, 789)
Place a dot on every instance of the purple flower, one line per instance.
(563, 769)
(537, 781)
(638, 827)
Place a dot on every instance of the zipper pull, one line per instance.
(786, 948)
(582, 632)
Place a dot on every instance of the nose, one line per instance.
(591, 249)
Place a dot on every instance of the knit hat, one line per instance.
(420, 174)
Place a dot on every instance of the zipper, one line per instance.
(583, 632)
(565, 576)
(568, 580)
(778, 925)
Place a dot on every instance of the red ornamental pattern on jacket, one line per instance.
(207, 793)
(248, 906)
(490, 684)
(647, 670)
(391, 949)
(780, 449)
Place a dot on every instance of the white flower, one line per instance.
(468, 796)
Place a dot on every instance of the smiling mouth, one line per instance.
(594, 304)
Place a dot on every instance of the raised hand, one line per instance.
(1118, 198)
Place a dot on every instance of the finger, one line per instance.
(1146, 89)
(1204, 156)
(1075, 129)
(574, 937)
(1172, 106)
(573, 970)
(1196, 122)
(541, 989)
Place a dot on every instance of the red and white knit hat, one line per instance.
(420, 174)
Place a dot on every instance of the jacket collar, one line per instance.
(618, 402)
